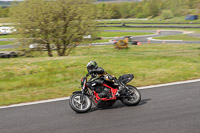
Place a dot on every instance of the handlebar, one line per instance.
(87, 75)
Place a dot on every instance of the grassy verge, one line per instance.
(32, 79)
(155, 20)
(101, 40)
(5, 20)
(5, 42)
(100, 34)
(184, 37)
(114, 34)
(10, 36)
(196, 30)
(144, 24)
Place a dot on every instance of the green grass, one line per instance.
(96, 41)
(114, 34)
(143, 23)
(125, 28)
(5, 42)
(10, 36)
(31, 79)
(155, 20)
(5, 20)
(100, 34)
(164, 24)
(183, 37)
(101, 40)
(196, 30)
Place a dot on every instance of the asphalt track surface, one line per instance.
(146, 38)
(168, 109)
(142, 39)
(7, 46)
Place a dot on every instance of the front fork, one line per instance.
(81, 98)
(83, 91)
(123, 88)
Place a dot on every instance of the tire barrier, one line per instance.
(5, 54)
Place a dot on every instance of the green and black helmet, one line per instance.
(92, 65)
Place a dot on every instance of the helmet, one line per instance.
(92, 65)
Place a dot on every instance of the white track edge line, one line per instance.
(32, 103)
(65, 98)
(150, 38)
(169, 84)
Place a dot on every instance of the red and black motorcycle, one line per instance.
(81, 101)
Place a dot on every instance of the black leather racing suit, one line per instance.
(97, 78)
(96, 73)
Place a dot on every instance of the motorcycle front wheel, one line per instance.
(80, 106)
(133, 97)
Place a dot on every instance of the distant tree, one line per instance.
(176, 7)
(61, 23)
(1, 11)
(115, 11)
(138, 9)
(124, 10)
(167, 14)
(104, 11)
(131, 9)
(152, 8)
(4, 12)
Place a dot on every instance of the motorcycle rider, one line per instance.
(98, 76)
(94, 70)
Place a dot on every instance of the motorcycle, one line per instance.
(81, 101)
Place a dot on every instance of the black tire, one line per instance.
(74, 103)
(110, 103)
(106, 104)
(7, 56)
(13, 55)
(134, 98)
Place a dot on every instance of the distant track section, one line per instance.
(145, 23)
(152, 26)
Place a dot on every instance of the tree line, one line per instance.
(143, 9)
(148, 8)
(4, 12)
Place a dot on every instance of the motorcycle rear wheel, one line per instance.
(78, 106)
(134, 97)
